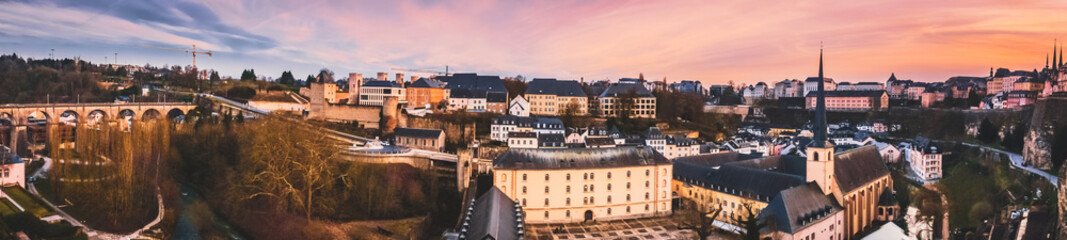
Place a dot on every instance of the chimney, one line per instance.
(382, 76)
(400, 78)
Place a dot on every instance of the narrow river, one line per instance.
(187, 226)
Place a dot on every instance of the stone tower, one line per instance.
(355, 81)
(390, 109)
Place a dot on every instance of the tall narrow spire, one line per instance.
(1060, 63)
(1054, 65)
(819, 129)
(1046, 60)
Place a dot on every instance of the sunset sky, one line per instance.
(711, 41)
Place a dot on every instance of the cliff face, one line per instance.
(1062, 196)
(1049, 115)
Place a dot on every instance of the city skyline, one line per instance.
(711, 42)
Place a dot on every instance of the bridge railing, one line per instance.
(45, 105)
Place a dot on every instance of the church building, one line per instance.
(823, 195)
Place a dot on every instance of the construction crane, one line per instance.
(446, 73)
(194, 51)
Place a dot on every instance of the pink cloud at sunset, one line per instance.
(712, 41)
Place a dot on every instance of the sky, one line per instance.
(712, 41)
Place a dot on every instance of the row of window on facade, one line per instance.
(592, 188)
(591, 176)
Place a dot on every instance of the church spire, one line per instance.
(1060, 63)
(1054, 65)
(1046, 60)
(819, 129)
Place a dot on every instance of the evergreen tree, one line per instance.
(214, 79)
(310, 79)
(248, 75)
(287, 79)
(987, 132)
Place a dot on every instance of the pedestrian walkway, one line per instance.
(1017, 162)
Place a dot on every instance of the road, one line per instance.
(93, 234)
(1017, 162)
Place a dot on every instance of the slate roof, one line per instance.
(550, 140)
(563, 88)
(816, 79)
(710, 160)
(496, 97)
(427, 83)
(624, 87)
(887, 199)
(654, 133)
(522, 135)
(474, 82)
(735, 180)
(599, 141)
(851, 93)
(8, 157)
(418, 133)
(797, 208)
(381, 84)
(467, 93)
(857, 167)
(578, 158)
(494, 217)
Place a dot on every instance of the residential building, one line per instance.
(519, 107)
(373, 93)
(924, 159)
(890, 153)
(501, 126)
(517, 140)
(868, 86)
(496, 103)
(788, 88)
(655, 139)
(811, 83)
(555, 140)
(852, 100)
(643, 103)
(12, 168)
(551, 97)
(585, 184)
(689, 86)
(475, 93)
(895, 87)
(467, 100)
(427, 92)
(680, 146)
(420, 138)
(1017, 99)
(914, 91)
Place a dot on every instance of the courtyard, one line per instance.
(645, 228)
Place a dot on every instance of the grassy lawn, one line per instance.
(965, 186)
(28, 202)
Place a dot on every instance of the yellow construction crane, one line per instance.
(194, 51)
(446, 73)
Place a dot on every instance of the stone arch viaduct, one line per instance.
(20, 114)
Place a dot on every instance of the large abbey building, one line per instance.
(825, 195)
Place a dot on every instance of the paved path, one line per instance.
(94, 234)
(1017, 162)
